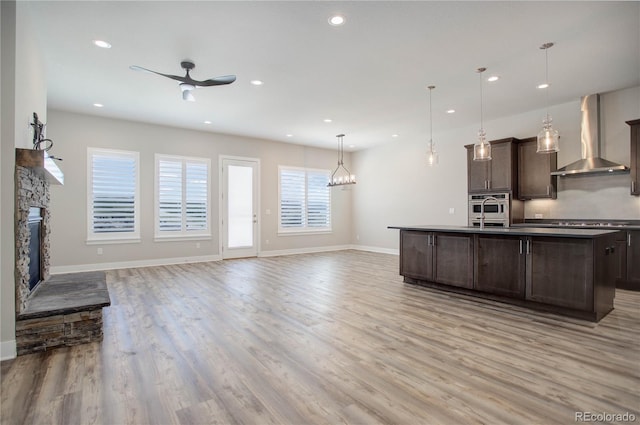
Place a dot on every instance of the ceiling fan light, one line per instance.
(186, 86)
(187, 95)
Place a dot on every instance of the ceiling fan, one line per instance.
(188, 84)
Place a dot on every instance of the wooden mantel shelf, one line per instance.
(42, 163)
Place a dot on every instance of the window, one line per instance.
(182, 197)
(305, 200)
(113, 195)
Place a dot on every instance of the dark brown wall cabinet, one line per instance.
(635, 156)
(497, 175)
(445, 258)
(627, 270)
(534, 171)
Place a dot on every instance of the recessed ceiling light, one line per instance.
(336, 20)
(328, 120)
(352, 146)
(207, 122)
(289, 135)
(451, 111)
(257, 82)
(493, 78)
(102, 43)
(98, 105)
(543, 85)
(394, 135)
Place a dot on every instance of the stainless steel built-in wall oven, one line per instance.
(495, 207)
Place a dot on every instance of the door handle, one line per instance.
(520, 246)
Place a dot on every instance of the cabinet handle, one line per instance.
(433, 240)
(629, 239)
(528, 247)
(548, 190)
(520, 246)
(488, 184)
(633, 186)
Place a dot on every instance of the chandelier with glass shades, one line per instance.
(341, 175)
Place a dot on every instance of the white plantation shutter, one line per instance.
(113, 194)
(169, 196)
(197, 183)
(305, 200)
(182, 196)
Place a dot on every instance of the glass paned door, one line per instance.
(239, 203)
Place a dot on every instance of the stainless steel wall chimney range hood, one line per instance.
(591, 162)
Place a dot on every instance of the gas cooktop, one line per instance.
(589, 224)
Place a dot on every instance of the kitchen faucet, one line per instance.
(482, 209)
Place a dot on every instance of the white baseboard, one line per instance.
(376, 249)
(8, 350)
(279, 252)
(132, 264)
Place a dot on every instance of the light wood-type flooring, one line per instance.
(326, 338)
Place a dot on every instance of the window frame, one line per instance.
(183, 233)
(305, 229)
(112, 237)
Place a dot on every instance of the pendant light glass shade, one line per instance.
(482, 148)
(432, 154)
(548, 137)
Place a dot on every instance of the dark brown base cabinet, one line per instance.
(445, 258)
(628, 262)
(566, 275)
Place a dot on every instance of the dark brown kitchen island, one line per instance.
(566, 271)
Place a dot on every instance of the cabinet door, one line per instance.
(620, 270)
(477, 173)
(453, 259)
(560, 272)
(534, 172)
(635, 156)
(500, 265)
(416, 258)
(501, 167)
(633, 260)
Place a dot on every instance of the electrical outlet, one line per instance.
(538, 215)
(99, 251)
(452, 210)
(266, 241)
(197, 244)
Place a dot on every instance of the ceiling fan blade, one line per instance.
(218, 81)
(174, 77)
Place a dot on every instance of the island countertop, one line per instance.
(515, 231)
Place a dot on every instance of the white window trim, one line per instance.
(115, 237)
(300, 231)
(182, 235)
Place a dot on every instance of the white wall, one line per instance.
(73, 133)
(21, 70)
(396, 187)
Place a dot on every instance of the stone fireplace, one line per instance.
(32, 193)
(51, 311)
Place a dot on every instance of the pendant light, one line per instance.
(548, 137)
(432, 155)
(482, 148)
(341, 176)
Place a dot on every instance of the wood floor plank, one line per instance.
(326, 338)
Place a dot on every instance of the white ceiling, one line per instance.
(369, 76)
